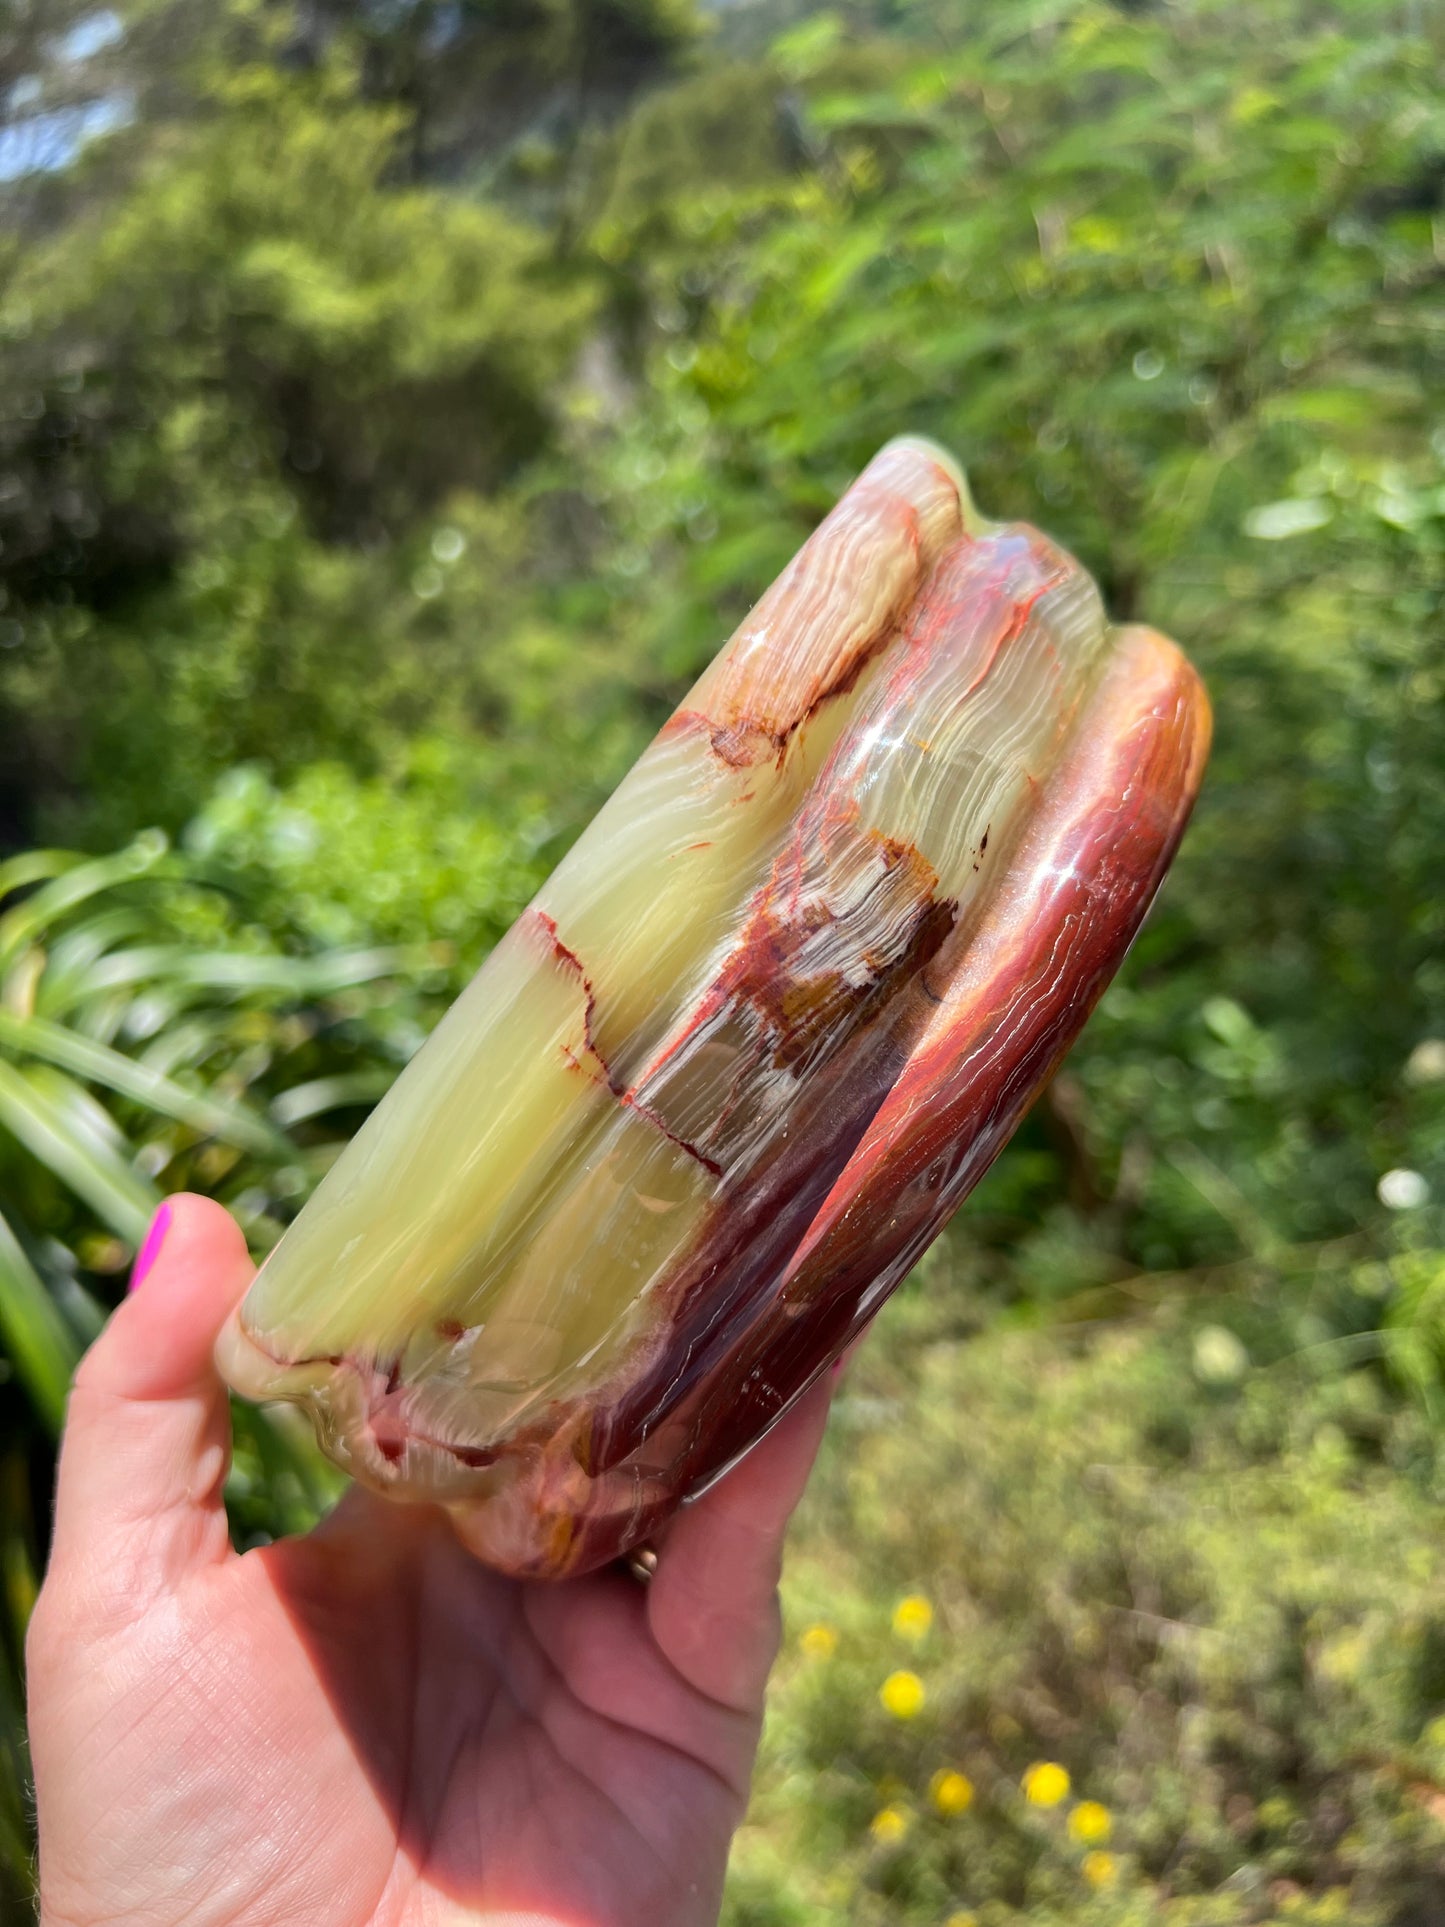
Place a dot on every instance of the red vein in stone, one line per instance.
(568, 957)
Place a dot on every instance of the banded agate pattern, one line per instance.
(752, 1043)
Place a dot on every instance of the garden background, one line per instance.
(399, 401)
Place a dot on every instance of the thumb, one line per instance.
(148, 1438)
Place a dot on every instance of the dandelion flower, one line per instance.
(819, 1642)
(951, 1791)
(902, 1695)
(912, 1617)
(962, 1918)
(889, 1825)
(1046, 1783)
(1100, 1869)
(1090, 1823)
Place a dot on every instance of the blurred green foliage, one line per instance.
(398, 404)
(1207, 1585)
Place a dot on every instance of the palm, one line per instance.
(366, 1726)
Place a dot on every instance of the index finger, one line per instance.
(712, 1604)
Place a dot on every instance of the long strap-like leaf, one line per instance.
(37, 1037)
(92, 1170)
(39, 1343)
(322, 1094)
(54, 899)
(240, 971)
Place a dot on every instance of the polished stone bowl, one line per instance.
(758, 1035)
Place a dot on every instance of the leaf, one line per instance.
(849, 259)
(212, 1117)
(1278, 521)
(302, 976)
(33, 866)
(329, 1094)
(36, 913)
(70, 954)
(73, 1153)
(803, 49)
(1229, 1022)
(298, 977)
(38, 1341)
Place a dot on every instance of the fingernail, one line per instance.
(151, 1249)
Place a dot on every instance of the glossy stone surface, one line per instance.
(754, 1041)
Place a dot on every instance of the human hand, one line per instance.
(365, 1725)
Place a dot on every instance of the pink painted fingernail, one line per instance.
(151, 1249)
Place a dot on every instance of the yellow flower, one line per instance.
(912, 1617)
(1046, 1783)
(962, 1918)
(819, 1642)
(950, 1791)
(890, 1824)
(902, 1695)
(1090, 1823)
(1100, 1869)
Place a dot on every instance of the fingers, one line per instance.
(712, 1603)
(147, 1437)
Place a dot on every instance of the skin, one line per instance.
(365, 1725)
